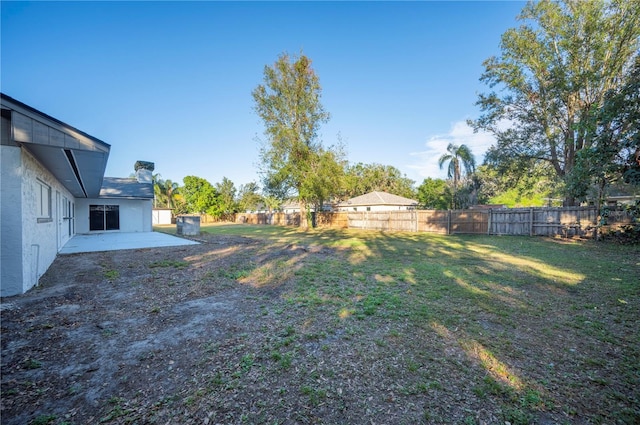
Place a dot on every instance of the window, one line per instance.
(43, 199)
(104, 217)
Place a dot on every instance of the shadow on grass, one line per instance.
(537, 317)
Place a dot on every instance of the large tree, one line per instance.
(227, 196)
(364, 178)
(288, 102)
(552, 72)
(200, 196)
(459, 158)
(614, 155)
(325, 179)
(434, 194)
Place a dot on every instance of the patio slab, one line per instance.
(116, 241)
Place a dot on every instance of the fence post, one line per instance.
(489, 222)
(531, 221)
(448, 222)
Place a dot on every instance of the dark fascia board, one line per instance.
(28, 110)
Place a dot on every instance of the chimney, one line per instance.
(143, 171)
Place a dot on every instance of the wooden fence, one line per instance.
(567, 222)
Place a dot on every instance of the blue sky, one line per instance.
(171, 82)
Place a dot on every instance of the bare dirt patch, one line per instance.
(118, 325)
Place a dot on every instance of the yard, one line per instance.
(269, 325)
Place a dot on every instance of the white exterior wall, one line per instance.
(374, 208)
(36, 244)
(162, 216)
(135, 214)
(41, 241)
(11, 281)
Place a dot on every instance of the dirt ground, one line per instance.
(105, 324)
(183, 335)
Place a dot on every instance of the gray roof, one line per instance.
(75, 158)
(379, 198)
(116, 187)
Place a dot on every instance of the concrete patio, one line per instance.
(116, 241)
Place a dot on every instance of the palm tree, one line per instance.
(164, 191)
(458, 157)
(169, 190)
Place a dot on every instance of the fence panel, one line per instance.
(433, 221)
(469, 221)
(332, 220)
(510, 222)
(403, 221)
(567, 222)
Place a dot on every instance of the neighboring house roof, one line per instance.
(75, 158)
(378, 198)
(116, 187)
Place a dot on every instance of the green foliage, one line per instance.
(165, 192)
(325, 178)
(364, 178)
(459, 157)
(512, 198)
(627, 234)
(289, 105)
(169, 263)
(227, 196)
(614, 155)
(552, 72)
(200, 196)
(518, 184)
(248, 197)
(434, 194)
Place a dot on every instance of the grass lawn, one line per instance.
(270, 325)
(463, 329)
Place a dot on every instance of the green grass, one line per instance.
(169, 263)
(499, 300)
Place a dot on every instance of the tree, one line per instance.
(325, 178)
(364, 178)
(248, 197)
(200, 196)
(507, 184)
(614, 154)
(553, 71)
(433, 194)
(227, 196)
(289, 105)
(458, 157)
(165, 192)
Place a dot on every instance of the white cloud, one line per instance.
(460, 133)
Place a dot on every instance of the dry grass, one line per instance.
(362, 327)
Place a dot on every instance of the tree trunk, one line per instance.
(304, 223)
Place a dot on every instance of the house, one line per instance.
(293, 207)
(378, 201)
(52, 186)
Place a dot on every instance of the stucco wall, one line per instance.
(40, 241)
(135, 214)
(29, 245)
(10, 220)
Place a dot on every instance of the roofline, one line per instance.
(393, 204)
(33, 110)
